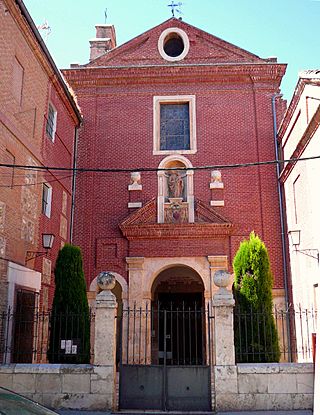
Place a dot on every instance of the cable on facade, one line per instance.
(35, 184)
(156, 169)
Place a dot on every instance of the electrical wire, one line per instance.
(36, 183)
(156, 169)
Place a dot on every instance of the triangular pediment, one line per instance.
(145, 215)
(142, 224)
(206, 214)
(204, 48)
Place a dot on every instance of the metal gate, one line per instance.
(165, 359)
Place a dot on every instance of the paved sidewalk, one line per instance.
(64, 412)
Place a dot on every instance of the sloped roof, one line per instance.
(307, 77)
(204, 48)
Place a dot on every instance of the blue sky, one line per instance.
(288, 29)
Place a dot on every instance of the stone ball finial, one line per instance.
(216, 176)
(221, 278)
(106, 280)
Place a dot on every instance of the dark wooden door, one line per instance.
(23, 326)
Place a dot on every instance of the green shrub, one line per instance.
(70, 318)
(256, 336)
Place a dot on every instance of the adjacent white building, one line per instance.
(299, 137)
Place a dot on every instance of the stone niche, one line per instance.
(175, 191)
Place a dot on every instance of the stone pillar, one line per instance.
(105, 322)
(136, 280)
(223, 304)
(225, 371)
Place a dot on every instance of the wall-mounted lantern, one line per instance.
(47, 243)
(295, 240)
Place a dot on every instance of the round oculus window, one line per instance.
(173, 44)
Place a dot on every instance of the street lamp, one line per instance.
(295, 240)
(47, 243)
(295, 237)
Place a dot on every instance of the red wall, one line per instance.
(234, 125)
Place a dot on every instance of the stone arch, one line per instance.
(175, 157)
(172, 263)
(170, 162)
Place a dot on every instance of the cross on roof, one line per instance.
(174, 7)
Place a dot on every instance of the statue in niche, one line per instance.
(175, 184)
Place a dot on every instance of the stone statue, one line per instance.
(216, 176)
(135, 181)
(135, 178)
(216, 180)
(175, 185)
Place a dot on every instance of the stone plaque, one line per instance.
(2, 215)
(63, 227)
(28, 201)
(46, 271)
(45, 298)
(2, 246)
(64, 203)
(27, 230)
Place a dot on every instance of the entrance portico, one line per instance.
(143, 272)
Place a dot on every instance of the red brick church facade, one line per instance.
(155, 110)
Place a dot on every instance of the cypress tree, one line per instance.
(70, 318)
(256, 336)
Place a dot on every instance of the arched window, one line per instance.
(175, 190)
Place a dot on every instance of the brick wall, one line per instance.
(25, 93)
(234, 125)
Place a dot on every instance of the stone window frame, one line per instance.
(161, 42)
(174, 99)
(46, 199)
(51, 125)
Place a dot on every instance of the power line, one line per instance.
(156, 169)
(36, 183)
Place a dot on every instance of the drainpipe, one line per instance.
(282, 224)
(74, 173)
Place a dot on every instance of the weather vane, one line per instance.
(46, 28)
(105, 15)
(174, 7)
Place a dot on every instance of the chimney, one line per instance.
(104, 41)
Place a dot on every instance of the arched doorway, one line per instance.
(178, 318)
(166, 347)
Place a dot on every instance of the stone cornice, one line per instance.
(302, 82)
(221, 73)
(177, 231)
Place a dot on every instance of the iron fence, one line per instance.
(42, 337)
(285, 335)
(180, 336)
(170, 335)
